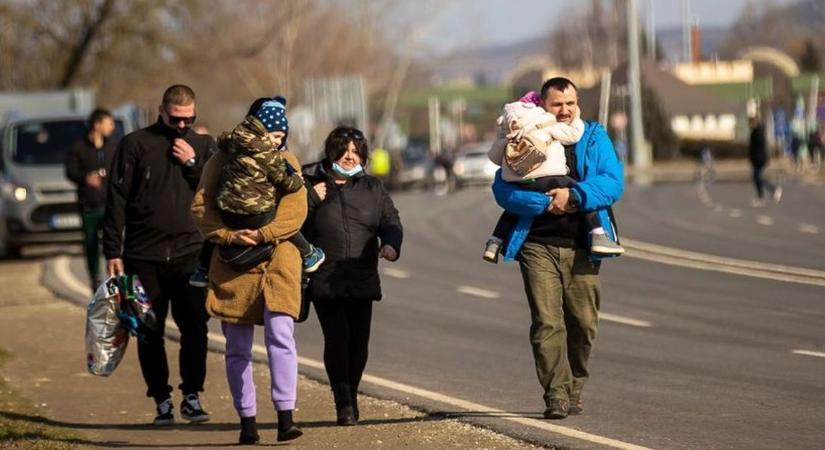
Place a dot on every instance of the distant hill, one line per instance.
(487, 65)
(490, 65)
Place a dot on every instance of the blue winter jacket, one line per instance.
(601, 185)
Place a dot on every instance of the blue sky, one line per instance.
(470, 23)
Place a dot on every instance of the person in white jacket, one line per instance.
(530, 148)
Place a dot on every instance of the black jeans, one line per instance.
(251, 222)
(508, 220)
(167, 282)
(760, 183)
(346, 328)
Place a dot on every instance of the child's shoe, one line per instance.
(200, 278)
(492, 249)
(602, 245)
(313, 259)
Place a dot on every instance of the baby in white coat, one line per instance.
(530, 148)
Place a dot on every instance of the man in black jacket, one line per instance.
(148, 231)
(758, 153)
(86, 166)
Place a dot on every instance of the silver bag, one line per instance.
(106, 336)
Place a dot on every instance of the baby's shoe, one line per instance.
(200, 278)
(492, 249)
(313, 259)
(603, 246)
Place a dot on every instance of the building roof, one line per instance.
(677, 97)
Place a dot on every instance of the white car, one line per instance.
(472, 165)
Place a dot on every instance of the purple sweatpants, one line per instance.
(283, 362)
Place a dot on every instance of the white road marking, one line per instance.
(395, 273)
(764, 220)
(809, 353)
(63, 272)
(624, 320)
(718, 208)
(735, 213)
(694, 260)
(478, 292)
(807, 228)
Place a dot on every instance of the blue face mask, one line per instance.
(347, 173)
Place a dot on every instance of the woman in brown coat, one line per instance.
(268, 294)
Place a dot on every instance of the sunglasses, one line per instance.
(174, 120)
(352, 133)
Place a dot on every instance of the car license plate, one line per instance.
(62, 221)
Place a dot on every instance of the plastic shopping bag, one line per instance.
(106, 336)
(134, 308)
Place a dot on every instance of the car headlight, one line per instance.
(458, 168)
(13, 192)
(490, 168)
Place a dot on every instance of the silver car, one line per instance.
(38, 204)
(472, 166)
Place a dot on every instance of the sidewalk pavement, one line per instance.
(44, 336)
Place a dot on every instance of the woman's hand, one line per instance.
(321, 190)
(246, 237)
(388, 253)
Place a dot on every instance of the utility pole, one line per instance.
(641, 152)
(651, 31)
(687, 46)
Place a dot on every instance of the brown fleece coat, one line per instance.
(237, 297)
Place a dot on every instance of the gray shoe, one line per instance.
(557, 409)
(602, 245)
(492, 249)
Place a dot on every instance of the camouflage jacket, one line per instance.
(256, 174)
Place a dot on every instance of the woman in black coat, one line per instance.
(353, 220)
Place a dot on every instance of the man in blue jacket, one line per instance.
(560, 275)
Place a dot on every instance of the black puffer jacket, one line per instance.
(349, 225)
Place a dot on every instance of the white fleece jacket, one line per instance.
(519, 119)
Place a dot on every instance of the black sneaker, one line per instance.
(191, 410)
(165, 415)
(558, 409)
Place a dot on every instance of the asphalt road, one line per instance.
(685, 357)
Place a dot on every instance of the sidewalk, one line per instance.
(43, 336)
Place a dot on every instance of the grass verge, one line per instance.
(21, 427)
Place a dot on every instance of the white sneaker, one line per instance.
(777, 194)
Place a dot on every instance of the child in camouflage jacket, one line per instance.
(255, 177)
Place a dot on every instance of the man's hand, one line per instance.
(114, 267)
(182, 151)
(245, 237)
(94, 180)
(388, 253)
(561, 202)
(321, 190)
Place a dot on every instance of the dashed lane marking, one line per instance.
(64, 273)
(809, 353)
(478, 292)
(764, 220)
(808, 228)
(395, 273)
(624, 320)
(735, 213)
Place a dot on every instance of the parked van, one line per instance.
(38, 204)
